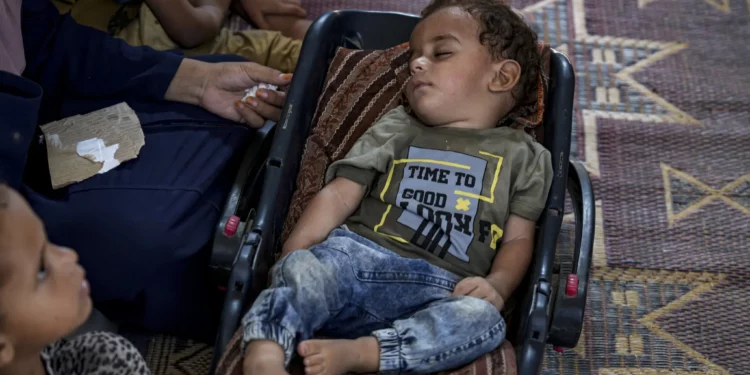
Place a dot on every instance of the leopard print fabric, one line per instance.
(94, 353)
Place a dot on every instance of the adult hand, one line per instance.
(479, 287)
(226, 85)
(258, 10)
(219, 88)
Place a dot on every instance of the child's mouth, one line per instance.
(419, 85)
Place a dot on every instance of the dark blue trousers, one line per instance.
(143, 230)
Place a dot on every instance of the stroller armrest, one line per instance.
(570, 304)
(238, 293)
(238, 211)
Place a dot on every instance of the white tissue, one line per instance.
(253, 90)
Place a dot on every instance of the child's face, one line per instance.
(452, 73)
(45, 295)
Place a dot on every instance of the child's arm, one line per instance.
(508, 268)
(290, 26)
(190, 23)
(348, 180)
(512, 262)
(328, 209)
(258, 12)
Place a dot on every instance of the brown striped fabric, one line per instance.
(360, 87)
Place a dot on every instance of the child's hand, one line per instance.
(480, 288)
(258, 10)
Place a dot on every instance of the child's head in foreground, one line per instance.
(472, 62)
(43, 292)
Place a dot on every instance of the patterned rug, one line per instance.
(663, 125)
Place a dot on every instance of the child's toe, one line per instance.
(303, 349)
(314, 360)
(318, 369)
(309, 347)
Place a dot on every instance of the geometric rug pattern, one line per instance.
(662, 122)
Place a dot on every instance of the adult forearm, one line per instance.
(71, 60)
(188, 83)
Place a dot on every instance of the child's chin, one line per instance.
(85, 309)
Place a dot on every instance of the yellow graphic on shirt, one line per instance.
(439, 193)
(491, 198)
(382, 221)
(497, 234)
(463, 204)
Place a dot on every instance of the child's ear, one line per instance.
(506, 75)
(6, 351)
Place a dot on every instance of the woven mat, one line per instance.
(662, 121)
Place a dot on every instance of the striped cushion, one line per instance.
(360, 87)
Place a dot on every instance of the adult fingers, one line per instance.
(264, 109)
(272, 97)
(249, 116)
(264, 74)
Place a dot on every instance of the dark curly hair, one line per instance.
(507, 36)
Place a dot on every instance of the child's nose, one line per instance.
(418, 65)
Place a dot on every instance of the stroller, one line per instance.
(248, 235)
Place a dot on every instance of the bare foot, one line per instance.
(338, 357)
(264, 358)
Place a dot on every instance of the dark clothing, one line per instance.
(141, 229)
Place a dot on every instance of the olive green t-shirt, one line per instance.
(444, 194)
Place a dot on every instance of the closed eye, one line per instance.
(443, 54)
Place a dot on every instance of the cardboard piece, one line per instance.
(82, 146)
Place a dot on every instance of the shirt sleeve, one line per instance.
(68, 59)
(532, 187)
(373, 151)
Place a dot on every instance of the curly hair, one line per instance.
(506, 35)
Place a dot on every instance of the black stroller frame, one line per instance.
(247, 236)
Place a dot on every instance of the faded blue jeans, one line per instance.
(348, 287)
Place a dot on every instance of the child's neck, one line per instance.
(465, 125)
(26, 366)
(476, 122)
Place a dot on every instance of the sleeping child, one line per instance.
(422, 232)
